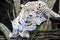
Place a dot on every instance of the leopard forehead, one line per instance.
(30, 6)
(34, 5)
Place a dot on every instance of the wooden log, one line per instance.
(17, 6)
(55, 20)
(2, 37)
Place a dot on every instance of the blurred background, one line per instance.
(10, 9)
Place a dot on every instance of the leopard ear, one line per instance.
(22, 5)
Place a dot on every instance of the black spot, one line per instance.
(39, 4)
(39, 7)
(38, 12)
(40, 16)
(19, 22)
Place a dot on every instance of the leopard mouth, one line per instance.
(28, 23)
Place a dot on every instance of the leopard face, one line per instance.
(32, 11)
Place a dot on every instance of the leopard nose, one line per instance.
(30, 15)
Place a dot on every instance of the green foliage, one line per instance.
(4, 29)
(43, 27)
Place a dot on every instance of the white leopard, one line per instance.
(32, 14)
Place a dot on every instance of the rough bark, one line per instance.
(17, 6)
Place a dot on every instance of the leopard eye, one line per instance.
(26, 10)
(39, 7)
(32, 10)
